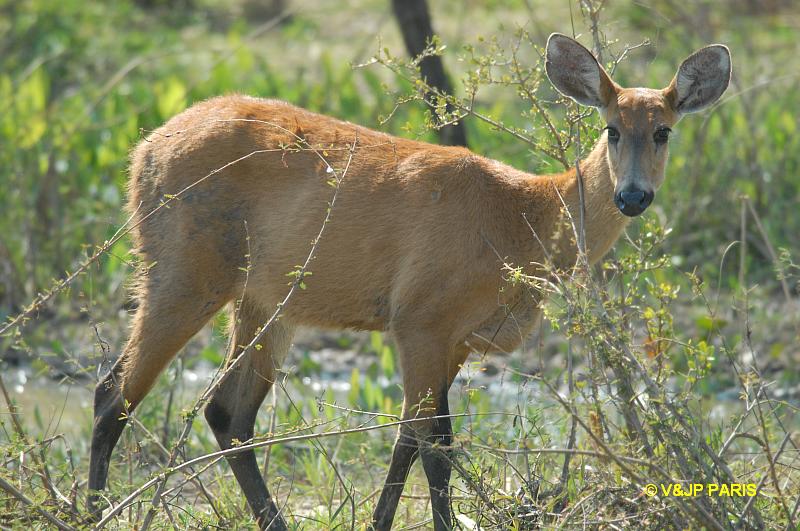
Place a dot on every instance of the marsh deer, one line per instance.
(415, 246)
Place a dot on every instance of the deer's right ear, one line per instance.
(701, 79)
(575, 73)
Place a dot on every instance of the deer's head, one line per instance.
(638, 120)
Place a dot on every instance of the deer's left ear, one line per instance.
(701, 79)
(575, 72)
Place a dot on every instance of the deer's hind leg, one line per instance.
(231, 413)
(176, 298)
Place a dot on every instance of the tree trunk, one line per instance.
(414, 20)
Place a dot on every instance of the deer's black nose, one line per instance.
(633, 201)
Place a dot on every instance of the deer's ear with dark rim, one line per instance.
(701, 79)
(575, 72)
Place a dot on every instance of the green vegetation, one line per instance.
(670, 363)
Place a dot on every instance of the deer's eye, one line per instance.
(613, 134)
(661, 135)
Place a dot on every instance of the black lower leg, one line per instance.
(403, 456)
(239, 426)
(436, 460)
(109, 421)
(258, 497)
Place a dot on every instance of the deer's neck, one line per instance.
(603, 221)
